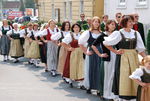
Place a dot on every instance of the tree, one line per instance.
(22, 8)
(148, 42)
(29, 4)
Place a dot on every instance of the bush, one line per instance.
(148, 42)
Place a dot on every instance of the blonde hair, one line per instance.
(52, 20)
(92, 26)
(4, 21)
(145, 60)
(30, 24)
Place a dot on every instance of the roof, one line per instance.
(11, 4)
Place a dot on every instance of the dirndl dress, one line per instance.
(143, 93)
(16, 49)
(4, 42)
(124, 66)
(96, 68)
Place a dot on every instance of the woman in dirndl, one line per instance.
(52, 47)
(25, 39)
(130, 44)
(16, 49)
(5, 41)
(95, 69)
(65, 30)
(74, 62)
(43, 46)
(109, 60)
(34, 52)
(142, 77)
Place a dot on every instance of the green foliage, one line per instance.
(29, 4)
(148, 42)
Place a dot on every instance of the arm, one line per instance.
(98, 53)
(67, 46)
(141, 83)
(119, 52)
(83, 48)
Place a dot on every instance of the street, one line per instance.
(23, 82)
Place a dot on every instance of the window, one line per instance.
(122, 4)
(70, 10)
(142, 4)
(81, 6)
(57, 14)
(65, 10)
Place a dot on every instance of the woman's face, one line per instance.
(5, 22)
(67, 27)
(52, 24)
(96, 24)
(35, 27)
(15, 26)
(147, 65)
(130, 23)
(112, 26)
(76, 29)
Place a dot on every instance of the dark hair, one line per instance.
(74, 26)
(118, 14)
(82, 14)
(104, 16)
(125, 20)
(64, 24)
(108, 23)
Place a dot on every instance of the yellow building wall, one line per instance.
(91, 8)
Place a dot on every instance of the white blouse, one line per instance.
(22, 32)
(35, 33)
(116, 37)
(5, 28)
(58, 35)
(15, 31)
(138, 73)
(68, 38)
(44, 32)
(85, 36)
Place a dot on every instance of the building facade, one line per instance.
(69, 9)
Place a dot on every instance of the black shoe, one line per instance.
(46, 70)
(71, 85)
(82, 87)
(88, 91)
(16, 61)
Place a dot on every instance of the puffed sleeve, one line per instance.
(140, 45)
(56, 36)
(22, 32)
(112, 39)
(67, 39)
(84, 38)
(29, 34)
(137, 74)
(44, 32)
(9, 32)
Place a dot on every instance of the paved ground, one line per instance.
(22, 82)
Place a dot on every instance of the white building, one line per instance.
(142, 7)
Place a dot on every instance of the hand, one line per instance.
(144, 84)
(40, 43)
(71, 49)
(103, 55)
(59, 44)
(89, 53)
(120, 51)
(45, 41)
